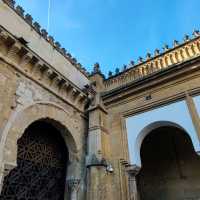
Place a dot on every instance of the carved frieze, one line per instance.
(24, 60)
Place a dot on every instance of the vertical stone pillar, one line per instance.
(132, 173)
(96, 188)
(97, 164)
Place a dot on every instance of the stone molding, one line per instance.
(133, 170)
(164, 79)
(21, 57)
(95, 161)
(93, 128)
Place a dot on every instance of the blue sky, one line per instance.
(113, 32)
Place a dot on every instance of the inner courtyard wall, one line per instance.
(119, 109)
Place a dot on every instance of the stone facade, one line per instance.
(39, 80)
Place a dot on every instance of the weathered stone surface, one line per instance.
(38, 83)
(2, 79)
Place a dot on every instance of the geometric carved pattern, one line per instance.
(41, 166)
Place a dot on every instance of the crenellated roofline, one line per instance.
(44, 34)
(180, 53)
(161, 60)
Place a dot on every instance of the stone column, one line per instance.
(73, 185)
(132, 173)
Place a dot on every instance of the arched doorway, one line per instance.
(170, 166)
(42, 159)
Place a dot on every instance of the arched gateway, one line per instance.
(42, 159)
(170, 166)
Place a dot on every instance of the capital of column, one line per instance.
(73, 183)
(133, 170)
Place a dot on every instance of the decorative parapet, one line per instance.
(161, 61)
(19, 56)
(43, 33)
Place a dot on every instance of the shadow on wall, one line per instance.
(170, 166)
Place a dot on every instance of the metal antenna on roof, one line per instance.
(49, 10)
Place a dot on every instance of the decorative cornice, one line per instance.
(93, 161)
(99, 128)
(120, 95)
(44, 34)
(26, 61)
(180, 53)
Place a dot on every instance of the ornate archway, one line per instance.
(42, 159)
(60, 119)
(147, 130)
(170, 166)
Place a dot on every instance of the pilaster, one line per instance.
(193, 113)
(98, 167)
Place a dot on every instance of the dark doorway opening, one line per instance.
(42, 160)
(170, 166)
